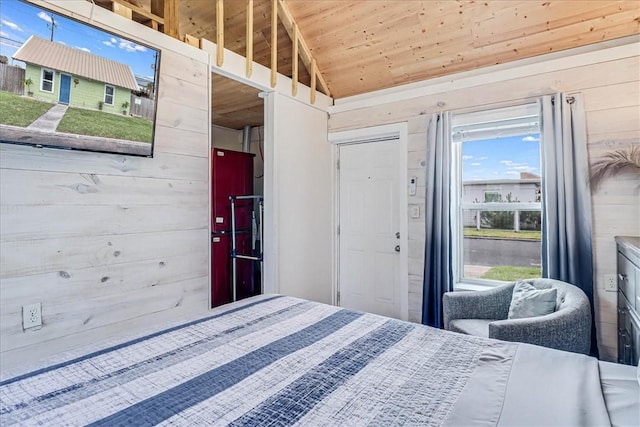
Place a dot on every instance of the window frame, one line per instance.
(42, 80)
(510, 121)
(113, 95)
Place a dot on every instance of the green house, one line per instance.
(75, 77)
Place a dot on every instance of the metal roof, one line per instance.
(76, 62)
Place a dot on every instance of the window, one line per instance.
(492, 196)
(497, 190)
(109, 94)
(46, 82)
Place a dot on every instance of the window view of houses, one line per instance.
(500, 204)
(60, 78)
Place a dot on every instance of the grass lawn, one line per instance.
(19, 110)
(98, 123)
(510, 274)
(504, 234)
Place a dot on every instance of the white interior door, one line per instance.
(369, 217)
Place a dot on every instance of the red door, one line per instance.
(220, 270)
(232, 175)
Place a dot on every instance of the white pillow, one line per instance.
(529, 301)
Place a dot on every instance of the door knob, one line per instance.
(397, 248)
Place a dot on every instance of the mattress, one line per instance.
(621, 388)
(278, 361)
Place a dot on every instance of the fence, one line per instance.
(142, 107)
(12, 79)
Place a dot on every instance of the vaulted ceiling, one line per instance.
(362, 46)
(366, 45)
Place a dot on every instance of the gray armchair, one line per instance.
(484, 313)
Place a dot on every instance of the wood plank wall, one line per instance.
(612, 103)
(109, 244)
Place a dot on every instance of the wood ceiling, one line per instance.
(235, 105)
(366, 45)
(362, 46)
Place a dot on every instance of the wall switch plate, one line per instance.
(415, 211)
(610, 283)
(31, 316)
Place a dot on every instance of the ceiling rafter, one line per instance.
(170, 12)
(139, 10)
(305, 53)
(164, 16)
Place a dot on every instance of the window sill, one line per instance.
(471, 287)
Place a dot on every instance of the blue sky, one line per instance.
(501, 158)
(19, 20)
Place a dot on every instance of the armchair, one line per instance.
(484, 313)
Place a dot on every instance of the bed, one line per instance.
(277, 360)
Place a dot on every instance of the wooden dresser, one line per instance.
(628, 257)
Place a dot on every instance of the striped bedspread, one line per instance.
(272, 360)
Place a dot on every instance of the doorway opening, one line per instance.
(237, 177)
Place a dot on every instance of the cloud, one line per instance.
(44, 17)
(12, 25)
(467, 157)
(510, 164)
(112, 42)
(514, 168)
(475, 164)
(130, 46)
(530, 138)
(84, 49)
(482, 158)
(3, 34)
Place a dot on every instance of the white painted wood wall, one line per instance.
(612, 98)
(298, 184)
(109, 244)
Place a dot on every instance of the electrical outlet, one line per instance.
(31, 316)
(610, 283)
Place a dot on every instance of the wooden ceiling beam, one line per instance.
(249, 39)
(172, 18)
(219, 32)
(191, 40)
(305, 53)
(140, 11)
(313, 80)
(294, 61)
(121, 10)
(274, 42)
(169, 11)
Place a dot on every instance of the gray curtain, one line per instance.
(566, 203)
(438, 274)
